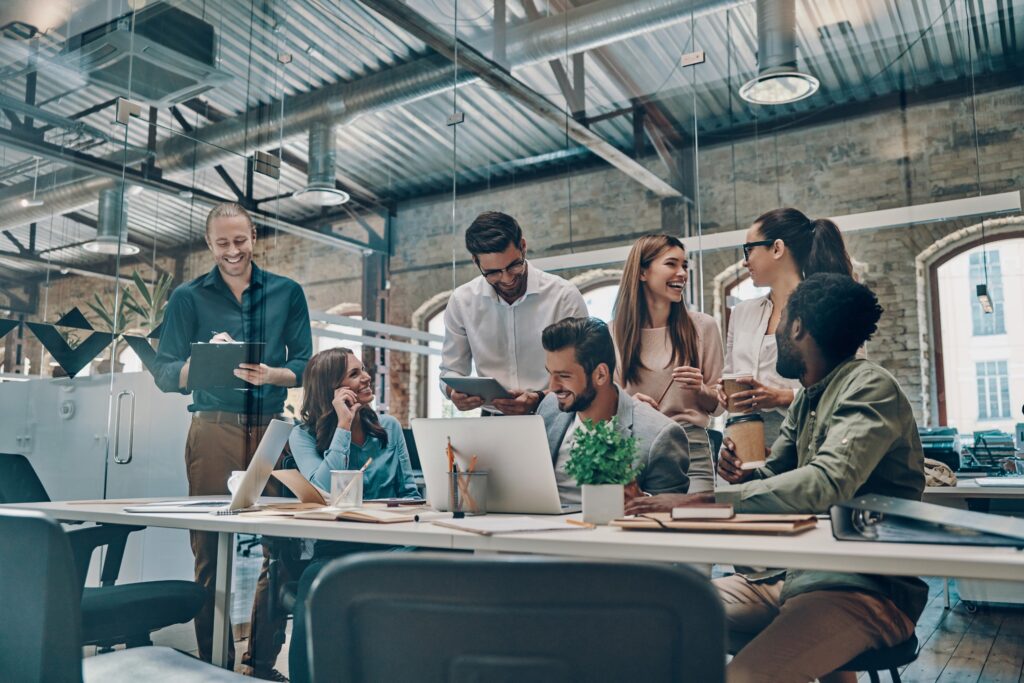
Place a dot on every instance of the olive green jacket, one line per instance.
(851, 434)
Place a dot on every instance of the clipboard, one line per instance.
(212, 365)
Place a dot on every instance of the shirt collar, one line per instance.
(815, 391)
(215, 279)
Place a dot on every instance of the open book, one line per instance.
(739, 524)
(374, 515)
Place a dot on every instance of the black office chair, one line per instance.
(414, 458)
(111, 614)
(40, 634)
(884, 659)
(459, 617)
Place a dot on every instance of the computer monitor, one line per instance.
(513, 450)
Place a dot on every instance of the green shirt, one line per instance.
(272, 310)
(851, 434)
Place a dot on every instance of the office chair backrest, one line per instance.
(18, 481)
(436, 617)
(40, 628)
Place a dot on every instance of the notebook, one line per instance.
(488, 526)
(363, 514)
(705, 512)
(739, 524)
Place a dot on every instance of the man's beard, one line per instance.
(583, 400)
(790, 364)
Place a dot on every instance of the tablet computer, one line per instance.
(213, 365)
(486, 388)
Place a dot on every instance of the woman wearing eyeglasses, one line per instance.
(783, 247)
(669, 357)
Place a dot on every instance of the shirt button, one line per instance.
(813, 414)
(845, 440)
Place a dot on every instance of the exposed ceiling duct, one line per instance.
(320, 189)
(583, 28)
(778, 80)
(112, 224)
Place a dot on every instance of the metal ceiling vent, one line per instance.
(112, 226)
(778, 80)
(160, 54)
(320, 189)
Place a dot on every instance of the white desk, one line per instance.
(815, 549)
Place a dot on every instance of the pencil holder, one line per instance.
(467, 492)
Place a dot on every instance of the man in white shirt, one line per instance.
(494, 321)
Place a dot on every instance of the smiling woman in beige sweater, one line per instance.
(669, 357)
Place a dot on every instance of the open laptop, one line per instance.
(249, 489)
(513, 450)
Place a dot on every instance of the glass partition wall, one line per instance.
(364, 137)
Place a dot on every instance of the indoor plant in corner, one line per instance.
(602, 463)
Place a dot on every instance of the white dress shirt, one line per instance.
(749, 347)
(503, 340)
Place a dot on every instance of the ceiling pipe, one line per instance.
(320, 189)
(778, 80)
(584, 28)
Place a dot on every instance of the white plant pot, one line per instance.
(602, 502)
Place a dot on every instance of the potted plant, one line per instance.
(602, 463)
(153, 301)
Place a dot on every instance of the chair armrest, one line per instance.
(85, 541)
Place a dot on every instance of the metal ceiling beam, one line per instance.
(104, 170)
(500, 79)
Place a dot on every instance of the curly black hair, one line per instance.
(839, 312)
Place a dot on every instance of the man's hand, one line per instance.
(730, 466)
(465, 402)
(524, 403)
(644, 398)
(261, 373)
(221, 338)
(664, 502)
(762, 397)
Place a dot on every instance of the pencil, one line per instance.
(580, 522)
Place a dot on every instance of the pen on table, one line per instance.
(580, 522)
(430, 516)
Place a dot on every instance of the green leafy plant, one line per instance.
(116, 321)
(602, 455)
(151, 303)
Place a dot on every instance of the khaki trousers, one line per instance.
(212, 451)
(808, 636)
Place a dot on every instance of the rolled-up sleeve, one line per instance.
(299, 335)
(456, 354)
(175, 345)
(668, 463)
(860, 432)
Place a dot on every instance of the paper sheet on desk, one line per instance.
(506, 525)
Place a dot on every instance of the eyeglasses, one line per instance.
(750, 245)
(515, 268)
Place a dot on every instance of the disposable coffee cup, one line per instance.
(747, 434)
(731, 384)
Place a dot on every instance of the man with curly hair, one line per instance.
(849, 432)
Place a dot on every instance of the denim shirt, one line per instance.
(273, 310)
(851, 434)
(388, 476)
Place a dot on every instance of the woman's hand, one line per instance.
(762, 397)
(688, 378)
(346, 405)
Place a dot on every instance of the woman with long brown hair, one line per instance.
(669, 357)
(341, 431)
(783, 246)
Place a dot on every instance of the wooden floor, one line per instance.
(958, 646)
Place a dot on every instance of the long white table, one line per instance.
(815, 549)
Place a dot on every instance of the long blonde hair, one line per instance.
(631, 313)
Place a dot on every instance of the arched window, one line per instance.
(979, 345)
